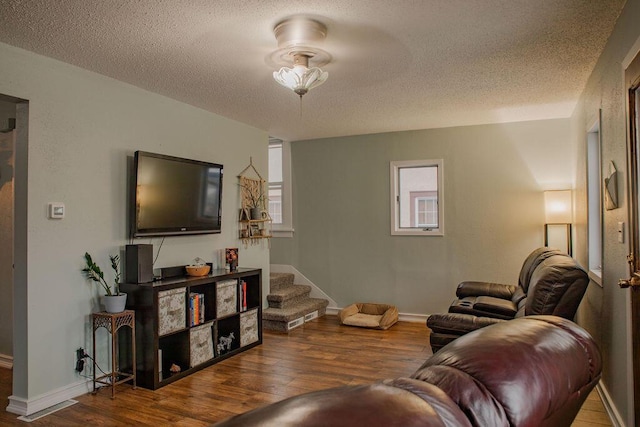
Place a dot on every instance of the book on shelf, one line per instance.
(201, 308)
(242, 295)
(196, 309)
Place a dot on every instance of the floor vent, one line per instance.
(311, 316)
(295, 323)
(47, 411)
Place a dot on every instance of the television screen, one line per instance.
(174, 196)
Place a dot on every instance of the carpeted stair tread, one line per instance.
(280, 280)
(288, 314)
(290, 292)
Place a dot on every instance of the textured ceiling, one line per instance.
(406, 64)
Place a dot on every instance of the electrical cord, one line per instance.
(158, 254)
(80, 366)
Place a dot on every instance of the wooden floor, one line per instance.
(319, 355)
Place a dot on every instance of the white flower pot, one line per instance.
(114, 303)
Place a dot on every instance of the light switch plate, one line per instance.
(621, 232)
(56, 210)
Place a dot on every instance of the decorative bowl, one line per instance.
(198, 270)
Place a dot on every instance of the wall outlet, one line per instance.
(80, 355)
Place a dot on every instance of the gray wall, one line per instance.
(7, 110)
(493, 207)
(605, 311)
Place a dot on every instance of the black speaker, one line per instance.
(138, 263)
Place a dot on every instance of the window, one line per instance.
(594, 201)
(280, 187)
(275, 181)
(416, 198)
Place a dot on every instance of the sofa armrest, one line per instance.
(458, 324)
(475, 289)
(485, 306)
(497, 306)
(400, 402)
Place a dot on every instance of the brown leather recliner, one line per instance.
(532, 371)
(550, 283)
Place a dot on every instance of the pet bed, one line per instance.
(369, 315)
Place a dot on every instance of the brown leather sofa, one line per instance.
(550, 282)
(532, 371)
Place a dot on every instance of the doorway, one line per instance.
(7, 144)
(13, 162)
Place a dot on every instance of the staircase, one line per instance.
(289, 304)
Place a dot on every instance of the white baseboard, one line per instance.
(21, 406)
(612, 411)
(404, 317)
(6, 361)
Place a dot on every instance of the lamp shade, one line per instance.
(557, 205)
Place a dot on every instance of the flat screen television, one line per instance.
(174, 196)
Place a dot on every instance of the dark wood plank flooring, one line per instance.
(319, 355)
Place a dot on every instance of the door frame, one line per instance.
(632, 88)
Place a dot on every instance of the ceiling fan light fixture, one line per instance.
(300, 79)
(297, 38)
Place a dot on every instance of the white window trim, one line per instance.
(286, 228)
(594, 148)
(394, 193)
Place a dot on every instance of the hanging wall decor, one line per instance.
(611, 188)
(254, 220)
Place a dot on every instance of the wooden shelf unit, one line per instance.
(165, 336)
(248, 229)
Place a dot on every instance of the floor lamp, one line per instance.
(558, 218)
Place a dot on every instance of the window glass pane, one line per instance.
(275, 203)
(426, 211)
(594, 207)
(418, 197)
(275, 183)
(275, 163)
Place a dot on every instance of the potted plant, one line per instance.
(254, 197)
(113, 300)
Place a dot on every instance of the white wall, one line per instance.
(493, 210)
(82, 128)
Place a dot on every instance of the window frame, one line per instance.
(394, 170)
(595, 225)
(285, 229)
